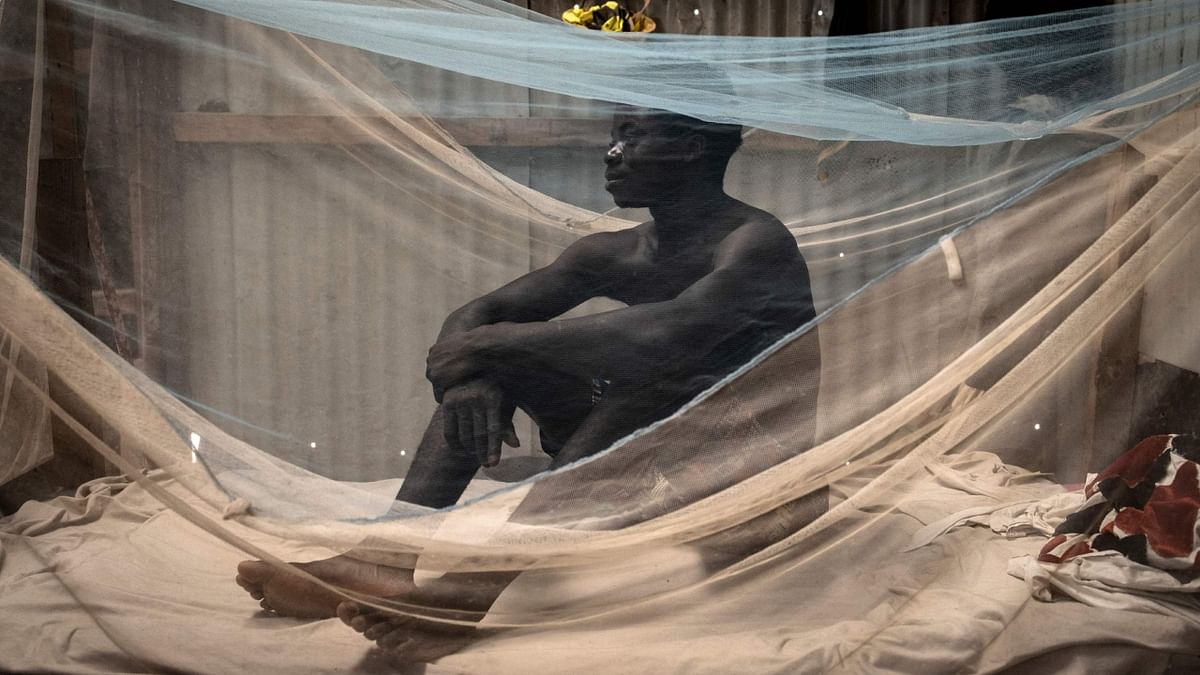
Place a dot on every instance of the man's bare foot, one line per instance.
(466, 597)
(289, 595)
(408, 638)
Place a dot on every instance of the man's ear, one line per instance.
(694, 146)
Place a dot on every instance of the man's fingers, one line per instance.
(438, 391)
(495, 429)
(450, 427)
(466, 435)
(506, 416)
(477, 420)
(480, 430)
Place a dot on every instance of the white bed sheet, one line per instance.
(111, 582)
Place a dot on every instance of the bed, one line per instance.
(111, 581)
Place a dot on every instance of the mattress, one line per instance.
(111, 581)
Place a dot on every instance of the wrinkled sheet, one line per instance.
(111, 581)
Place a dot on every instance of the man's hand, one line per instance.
(476, 418)
(457, 358)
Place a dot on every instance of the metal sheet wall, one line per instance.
(776, 18)
(317, 398)
(314, 285)
(291, 372)
(25, 439)
(1171, 314)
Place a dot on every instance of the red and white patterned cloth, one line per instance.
(1146, 506)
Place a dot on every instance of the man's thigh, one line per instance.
(556, 402)
(593, 413)
(625, 407)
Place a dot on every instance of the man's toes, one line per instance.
(364, 621)
(394, 640)
(379, 630)
(347, 611)
(255, 572)
(255, 590)
(368, 620)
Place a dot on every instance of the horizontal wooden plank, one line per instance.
(127, 302)
(238, 128)
(199, 127)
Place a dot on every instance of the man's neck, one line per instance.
(688, 216)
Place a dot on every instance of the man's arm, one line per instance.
(756, 271)
(475, 413)
(544, 293)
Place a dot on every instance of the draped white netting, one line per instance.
(281, 203)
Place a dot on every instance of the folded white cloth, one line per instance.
(1109, 580)
(1103, 579)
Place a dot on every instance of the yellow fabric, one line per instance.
(620, 22)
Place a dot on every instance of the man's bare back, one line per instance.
(709, 282)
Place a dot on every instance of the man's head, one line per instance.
(656, 155)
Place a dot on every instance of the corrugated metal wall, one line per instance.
(289, 371)
(792, 18)
(350, 378)
(318, 274)
(1168, 300)
(888, 15)
(25, 440)
(777, 18)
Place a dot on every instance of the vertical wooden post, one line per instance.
(154, 218)
(32, 153)
(1116, 368)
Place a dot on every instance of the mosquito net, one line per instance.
(254, 265)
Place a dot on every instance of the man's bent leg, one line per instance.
(625, 409)
(438, 474)
(436, 478)
(621, 411)
(561, 407)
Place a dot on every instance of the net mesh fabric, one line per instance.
(985, 211)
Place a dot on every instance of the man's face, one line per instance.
(649, 158)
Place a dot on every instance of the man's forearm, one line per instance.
(637, 341)
(633, 343)
(468, 317)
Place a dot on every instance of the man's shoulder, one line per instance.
(759, 231)
(759, 221)
(609, 244)
(599, 250)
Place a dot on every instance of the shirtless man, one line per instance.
(709, 282)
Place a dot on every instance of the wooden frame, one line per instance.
(235, 128)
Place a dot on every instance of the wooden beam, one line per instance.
(125, 301)
(239, 128)
(337, 130)
(1114, 385)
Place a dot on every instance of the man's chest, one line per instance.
(638, 282)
